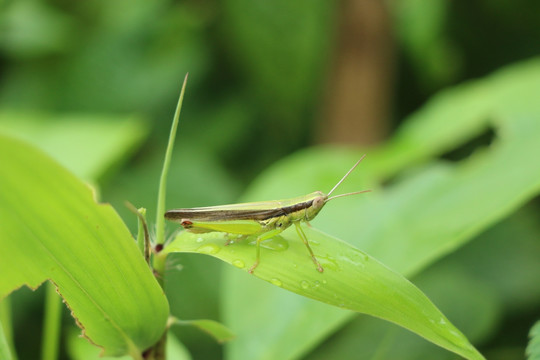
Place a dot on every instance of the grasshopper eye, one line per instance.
(186, 224)
(318, 202)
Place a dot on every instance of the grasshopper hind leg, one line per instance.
(305, 240)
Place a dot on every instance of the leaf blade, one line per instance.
(53, 229)
(352, 280)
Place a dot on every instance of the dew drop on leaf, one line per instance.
(209, 249)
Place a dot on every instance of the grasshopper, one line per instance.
(264, 219)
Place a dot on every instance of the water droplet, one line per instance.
(209, 249)
(328, 262)
(276, 282)
(199, 240)
(239, 264)
(353, 260)
(277, 243)
(304, 284)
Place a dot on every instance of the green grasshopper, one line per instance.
(265, 219)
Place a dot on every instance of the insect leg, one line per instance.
(267, 235)
(305, 240)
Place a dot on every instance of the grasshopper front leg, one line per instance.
(305, 240)
(265, 236)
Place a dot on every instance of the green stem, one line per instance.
(159, 259)
(6, 327)
(51, 326)
(160, 220)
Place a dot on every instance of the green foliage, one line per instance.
(422, 216)
(448, 207)
(80, 349)
(5, 351)
(533, 350)
(213, 328)
(102, 141)
(57, 231)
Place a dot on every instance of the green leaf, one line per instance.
(100, 140)
(53, 229)
(213, 328)
(533, 349)
(352, 280)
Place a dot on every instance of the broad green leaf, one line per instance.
(52, 229)
(424, 213)
(533, 349)
(100, 140)
(352, 280)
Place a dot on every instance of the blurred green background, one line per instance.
(265, 79)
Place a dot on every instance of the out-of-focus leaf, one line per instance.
(6, 330)
(426, 212)
(155, 42)
(419, 25)
(5, 351)
(213, 328)
(32, 28)
(52, 229)
(281, 47)
(533, 349)
(352, 280)
(86, 144)
(505, 258)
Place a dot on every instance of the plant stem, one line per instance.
(159, 260)
(6, 330)
(51, 326)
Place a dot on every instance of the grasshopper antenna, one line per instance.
(344, 177)
(347, 194)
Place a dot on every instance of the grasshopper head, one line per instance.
(319, 199)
